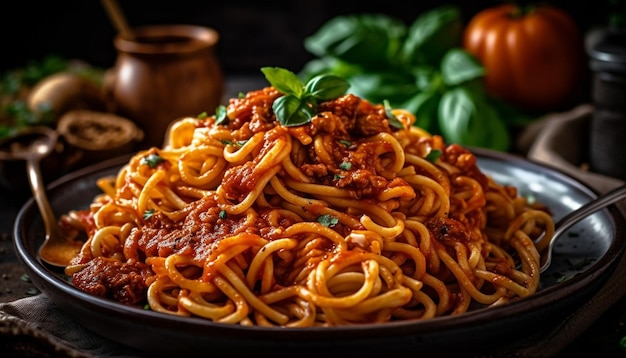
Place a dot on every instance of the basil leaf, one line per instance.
(368, 39)
(426, 77)
(327, 220)
(424, 106)
(456, 111)
(459, 66)
(393, 120)
(376, 87)
(284, 80)
(329, 65)
(432, 34)
(326, 87)
(433, 156)
(465, 118)
(292, 111)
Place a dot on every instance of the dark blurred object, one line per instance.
(608, 124)
(253, 33)
(167, 72)
(39, 91)
(93, 136)
(13, 168)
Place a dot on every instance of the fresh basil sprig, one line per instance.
(420, 67)
(299, 103)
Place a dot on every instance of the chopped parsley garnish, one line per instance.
(433, 156)
(239, 143)
(393, 120)
(223, 214)
(148, 214)
(220, 114)
(202, 115)
(347, 143)
(345, 165)
(152, 160)
(327, 220)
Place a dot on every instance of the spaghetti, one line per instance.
(342, 220)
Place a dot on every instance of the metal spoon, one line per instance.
(32, 145)
(575, 216)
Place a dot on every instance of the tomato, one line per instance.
(533, 59)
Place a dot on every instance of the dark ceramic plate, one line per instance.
(583, 261)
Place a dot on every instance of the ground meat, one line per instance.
(126, 282)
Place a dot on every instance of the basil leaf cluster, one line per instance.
(299, 103)
(421, 68)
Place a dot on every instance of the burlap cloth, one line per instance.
(29, 327)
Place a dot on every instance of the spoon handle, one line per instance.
(600, 202)
(39, 193)
(575, 216)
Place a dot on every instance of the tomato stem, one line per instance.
(522, 10)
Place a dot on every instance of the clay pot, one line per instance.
(165, 73)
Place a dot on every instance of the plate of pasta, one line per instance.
(340, 227)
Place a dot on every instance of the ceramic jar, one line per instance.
(165, 73)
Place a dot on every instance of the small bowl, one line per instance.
(93, 136)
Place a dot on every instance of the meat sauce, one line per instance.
(352, 166)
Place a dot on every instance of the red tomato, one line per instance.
(533, 60)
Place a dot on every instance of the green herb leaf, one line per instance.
(223, 214)
(393, 120)
(459, 66)
(345, 165)
(347, 143)
(327, 220)
(239, 143)
(292, 111)
(152, 160)
(432, 34)
(466, 119)
(299, 103)
(326, 87)
(376, 87)
(370, 39)
(202, 115)
(433, 156)
(148, 214)
(424, 106)
(284, 81)
(220, 114)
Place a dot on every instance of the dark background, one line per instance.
(252, 33)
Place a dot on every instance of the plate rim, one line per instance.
(540, 301)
